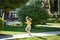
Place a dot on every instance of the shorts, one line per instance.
(28, 28)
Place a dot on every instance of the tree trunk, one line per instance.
(3, 16)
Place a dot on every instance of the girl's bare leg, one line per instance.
(29, 32)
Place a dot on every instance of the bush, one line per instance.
(1, 23)
(36, 12)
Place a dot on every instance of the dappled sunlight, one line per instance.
(55, 25)
(36, 35)
(21, 29)
(39, 32)
(44, 29)
(12, 32)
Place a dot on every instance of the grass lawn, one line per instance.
(54, 37)
(12, 30)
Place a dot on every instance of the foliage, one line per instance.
(11, 4)
(36, 12)
(1, 23)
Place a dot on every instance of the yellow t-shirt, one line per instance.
(29, 24)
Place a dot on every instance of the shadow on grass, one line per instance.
(44, 29)
(42, 38)
(58, 34)
(14, 28)
(5, 36)
(34, 30)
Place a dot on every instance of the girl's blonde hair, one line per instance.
(28, 18)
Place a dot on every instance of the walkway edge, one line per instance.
(33, 35)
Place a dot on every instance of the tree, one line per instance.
(7, 5)
(36, 12)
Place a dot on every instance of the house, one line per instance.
(10, 16)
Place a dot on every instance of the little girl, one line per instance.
(28, 22)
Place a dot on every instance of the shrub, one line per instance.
(36, 12)
(1, 23)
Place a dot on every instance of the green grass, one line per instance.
(21, 29)
(54, 37)
(13, 30)
(54, 24)
(44, 29)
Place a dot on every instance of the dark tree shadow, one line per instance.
(58, 34)
(5, 36)
(33, 30)
(41, 38)
(44, 29)
(14, 28)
